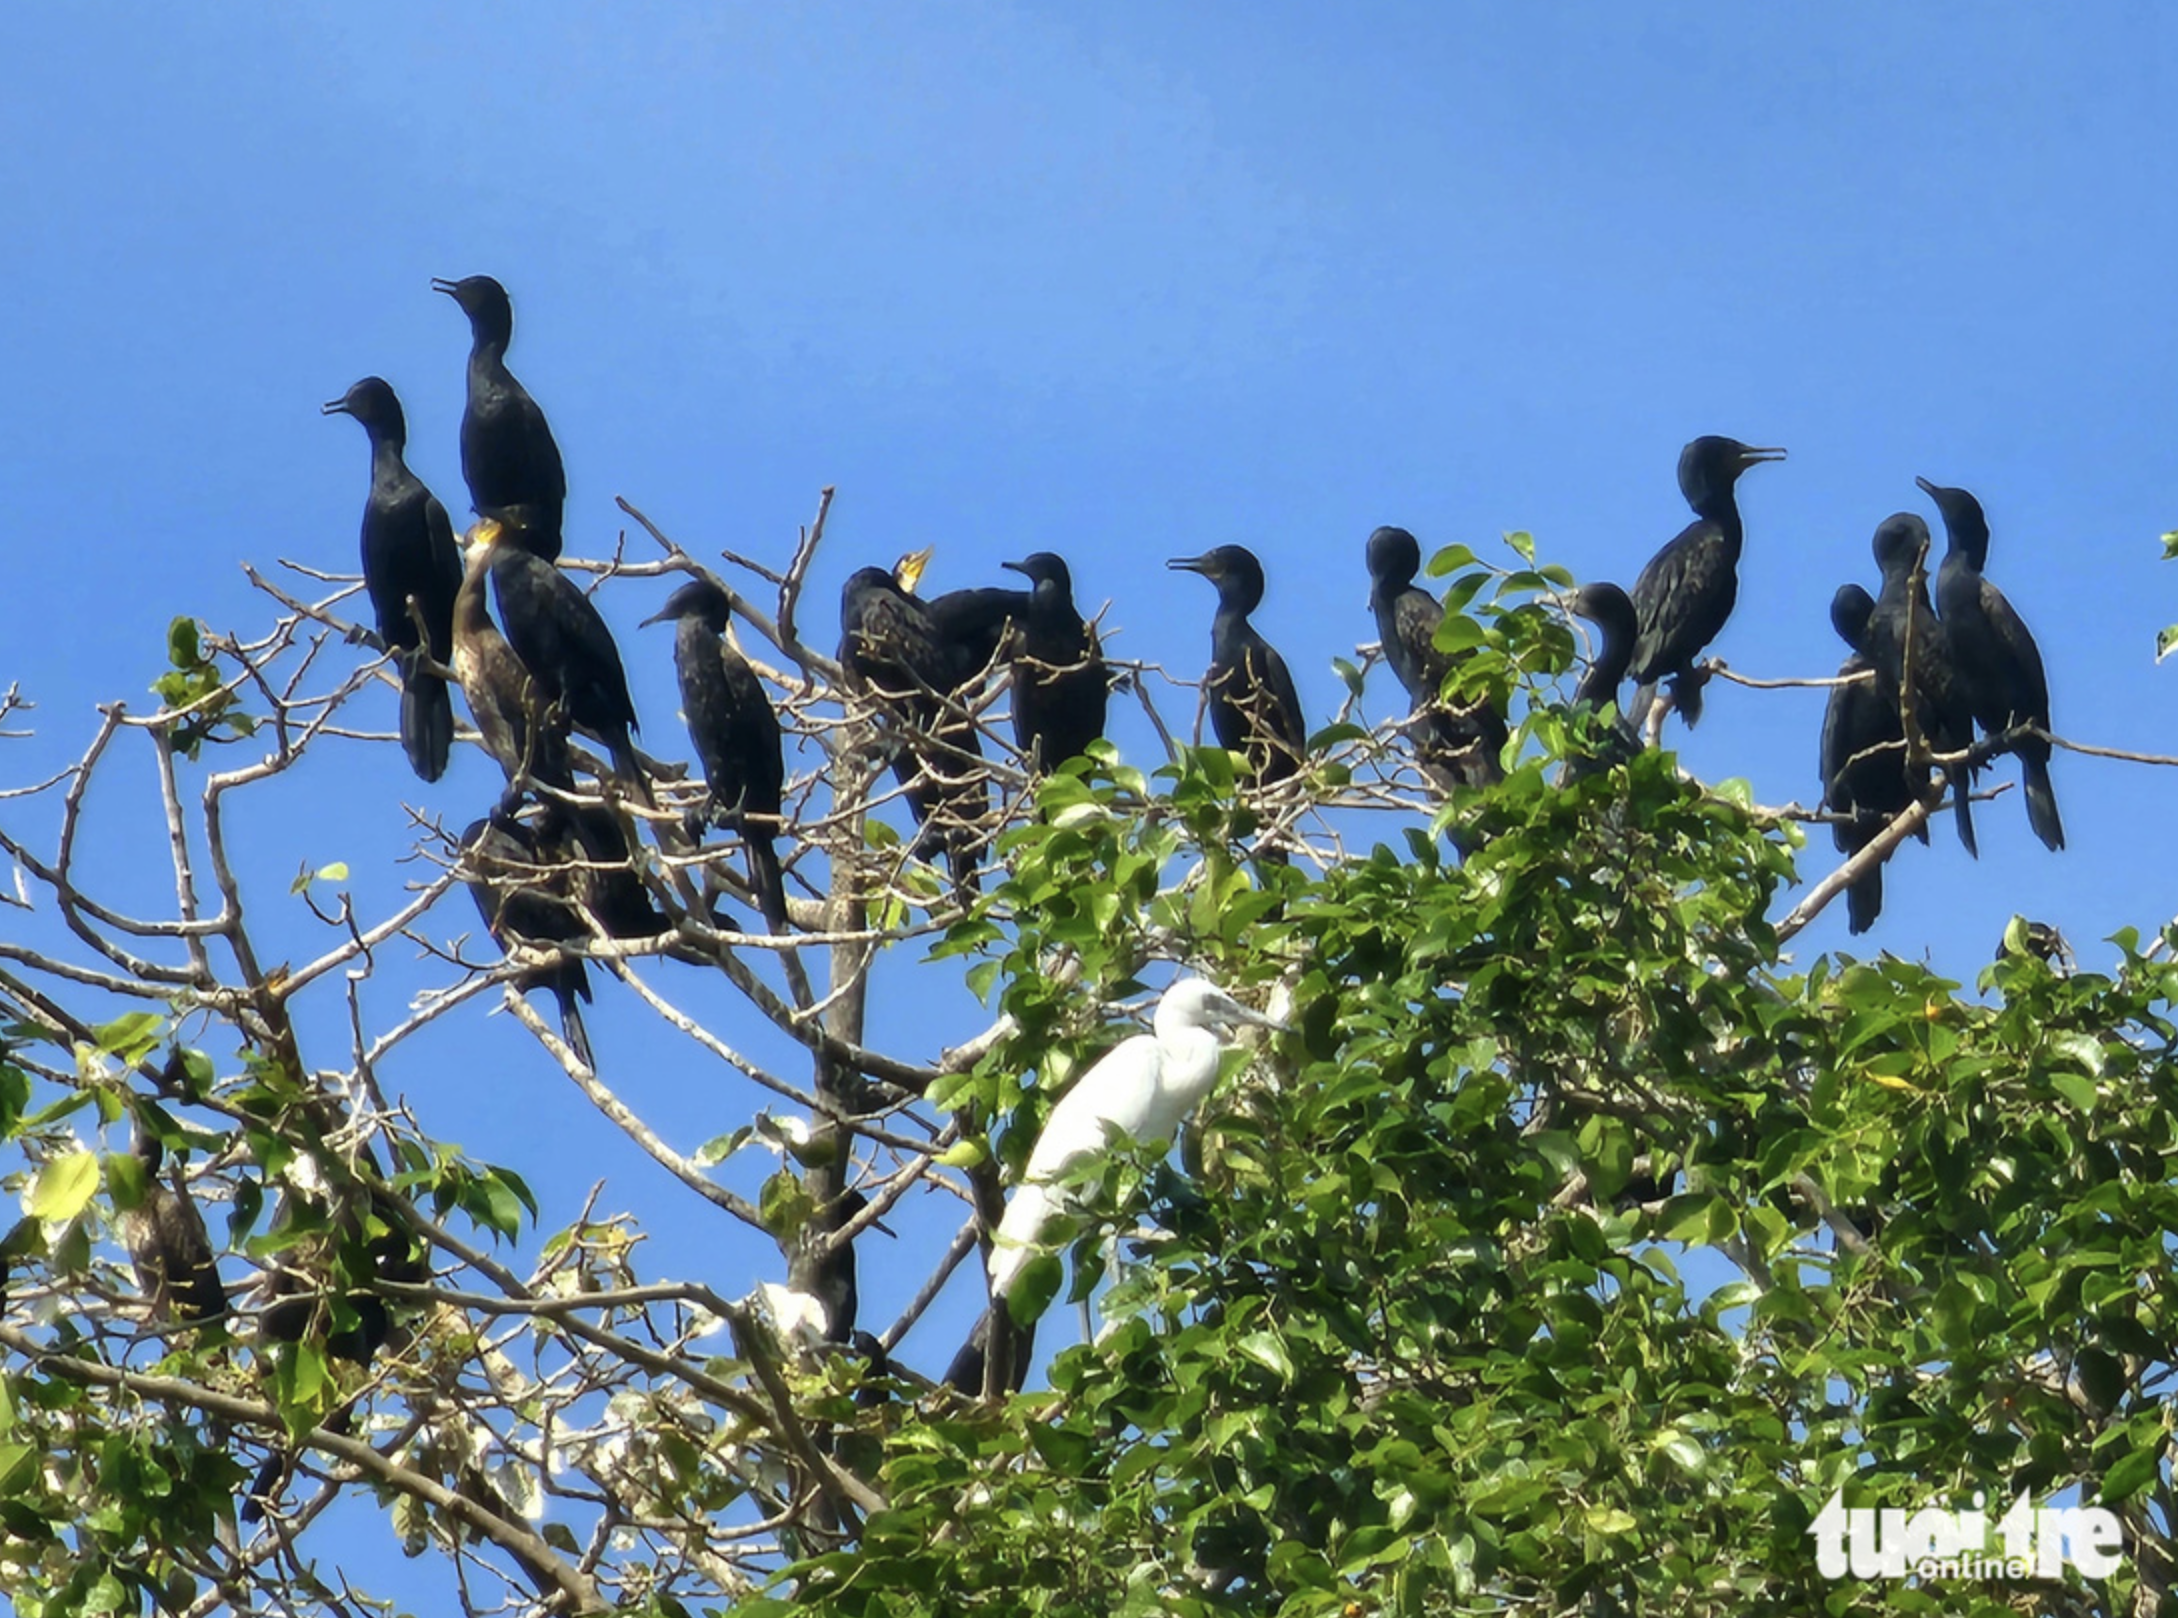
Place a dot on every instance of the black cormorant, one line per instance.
(1254, 708)
(1685, 594)
(1942, 709)
(507, 453)
(1061, 686)
(168, 1246)
(1863, 758)
(509, 711)
(408, 556)
(562, 641)
(1462, 745)
(513, 878)
(1996, 656)
(892, 650)
(1611, 610)
(736, 733)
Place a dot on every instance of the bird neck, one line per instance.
(388, 454)
(488, 352)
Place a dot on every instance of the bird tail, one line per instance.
(1962, 792)
(1686, 696)
(571, 1024)
(766, 879)
(2042, 802)
(1864, 902)
(427, 723)
(629, 770)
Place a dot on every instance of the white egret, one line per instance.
(1141, 1089)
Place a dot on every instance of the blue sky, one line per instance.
(1123, 282)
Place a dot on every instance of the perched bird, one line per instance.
(1863, 757)
(1995, 653)
(1685, 594)
(1461, 745)
(509, 709)
(168, 1246)
(1061, 686)
(1254, 709)
(1141, 1090)
(507, 454)
(736, 733)
(1942, 709)
(893, 652)
(966, 1371)
(411, 569)
(1611, 610)
(519, 888)
(562, 641)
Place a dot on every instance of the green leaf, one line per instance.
(183, 647)
(64, 1187)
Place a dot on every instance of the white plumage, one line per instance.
(1141, 1089)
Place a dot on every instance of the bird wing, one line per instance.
(1681, 600)
(2027, 687)
(1415, 617)
(1117, 1094)
(1284, 720)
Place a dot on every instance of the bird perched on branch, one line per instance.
(168, 1245)
(1863, 758)
(520, 887)
(1061, 686)
(508, 457)
(411, 570)
(1611, 610)
(1996, 654)
(1140, 1090)
(1943, 711)
(563, 643)
(507, 706)
(736, 733)
(1687, 591)
(1254, 709)
(1461, 744)
(893, 650)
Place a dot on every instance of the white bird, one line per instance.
(1140, 1089)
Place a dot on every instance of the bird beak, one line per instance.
(1191, 564)
(1238, 1013)
(333, 407)
(1751, 456)
(1015, 567)
(908, 571)
(1925, 486)
(654, 618)
(439, 283)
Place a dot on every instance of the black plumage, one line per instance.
(1061, 686)
(169, 1247)
(562, 641)
(1254, 709)
(892, 651)
(521, 888)
(1863, 755)
(1461, 744)
(1687, 591)
(505, 704)
(411, 569)
(970, 1363)
(508, 456)
(1941, 707)
(1611, 610)
(1995, 653)
(736, 733)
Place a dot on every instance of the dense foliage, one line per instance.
(1570, 1248)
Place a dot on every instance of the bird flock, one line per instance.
(1920, 675)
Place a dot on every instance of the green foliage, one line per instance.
(193, 683)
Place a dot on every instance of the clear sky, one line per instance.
(1123, 282)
